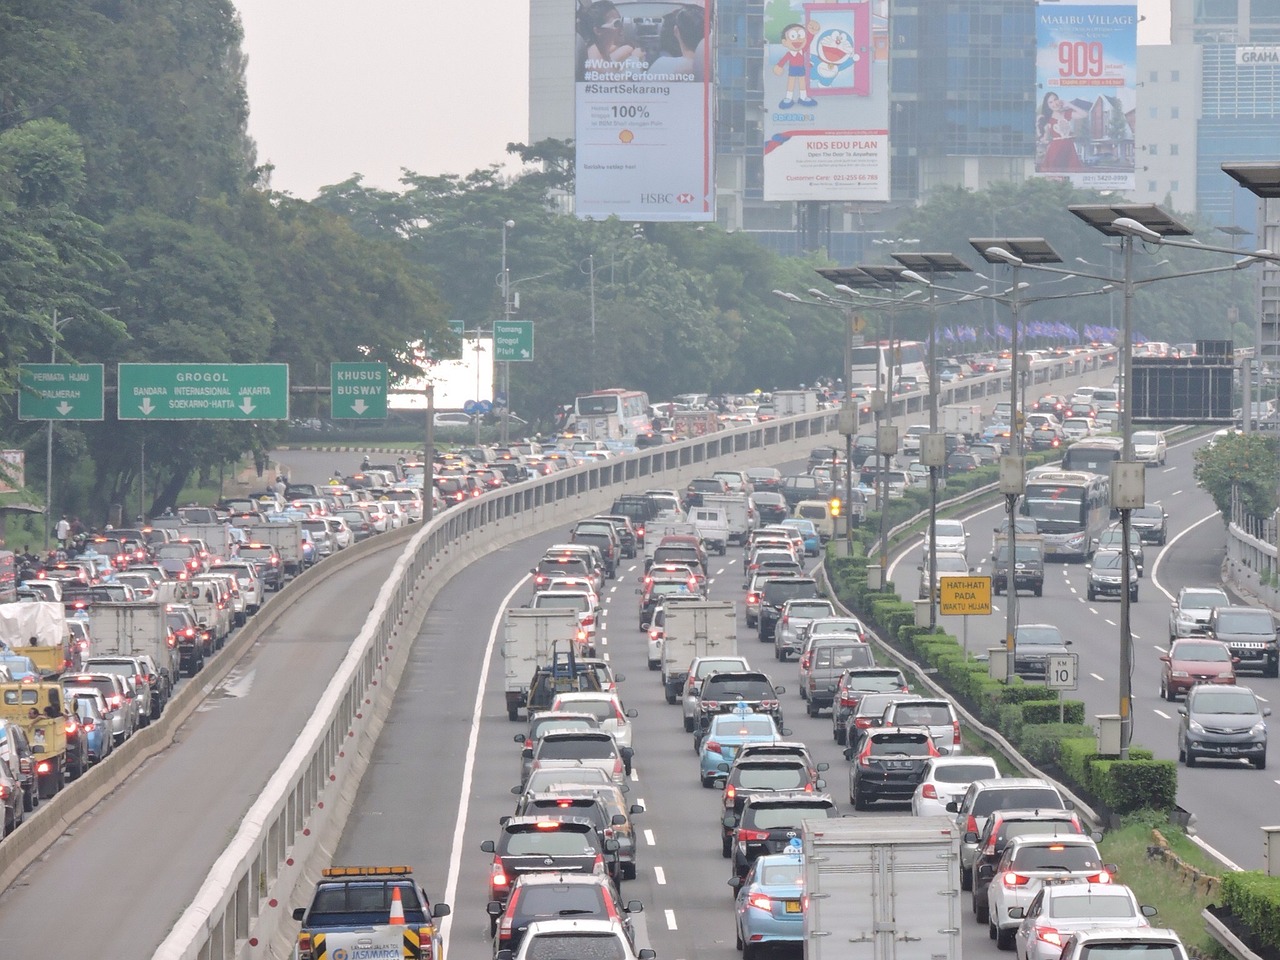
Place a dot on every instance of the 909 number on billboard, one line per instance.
(1079, 58)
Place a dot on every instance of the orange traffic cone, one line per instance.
(397, 907)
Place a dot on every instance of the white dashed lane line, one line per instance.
(1161, 713)
(1110, 622)
(660, 876)
(648, 837)
(1160, 648)
(1098, 678)
(671, 919)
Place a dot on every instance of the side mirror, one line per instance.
(1148, 910)
(299, 913)
(952, 807)
(779, 690)
(611, 846)
(618, 819)
(1266, 711)
(493, 908)
(518, 738)
(1182, 711)
(488, 847)
(634, 906)
(823, 766)
(729, 820)
(618, 678)
(526, 753)
(1067, 643)
(985, 871)
(735, 882)
(504, 955)
(820, 784)
(971, 836)
(1111, 868)
(1016, 913)
(1096, 837)
(848, 753)
(637, 808)
(503, 821)
(632, 713)
(786, 731)
(639, 591)
(1165, 659)
(647, 954)
(516, 791)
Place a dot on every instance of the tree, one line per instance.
(1243, 462)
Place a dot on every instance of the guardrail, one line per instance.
(241, 906)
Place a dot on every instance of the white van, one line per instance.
(712, 525)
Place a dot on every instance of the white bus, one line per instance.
(613, 414)
(907, 357)
(1093, 455)
(1071, 509)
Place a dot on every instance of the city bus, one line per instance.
(909, 358)
(1071, 509)
(1093, 455)
(614, 414)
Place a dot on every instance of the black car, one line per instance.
(551, 896)
(535, 845)
(769, 822)
(775, 594)
(958, 463)
(1106, 575)
(772, 507)
(756, 776)
(724, 692)
(639, 508)
(1250, 634)
(699, 486)
(598, 808)
(864, 449)
(1151, 524)
(626, 532)
(803, 487)
(888, 765)
(1033, 644)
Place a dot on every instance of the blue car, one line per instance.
(770, 904)
(97, 728)
(809, 532)
(728, 732)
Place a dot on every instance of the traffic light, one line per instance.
(834, 505)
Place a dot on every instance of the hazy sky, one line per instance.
(435, 86)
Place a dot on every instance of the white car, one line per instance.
(1027, 862)
(605, 707)
(911, 439)
(567, 937)
(946, 779)
(952, 538)
(1150, 446)
(1061, 909)
(794, 616)
(339, 532)
(251, 587)
(1077, 428)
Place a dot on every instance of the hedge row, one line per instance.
(1255, 898)
(1034, 718)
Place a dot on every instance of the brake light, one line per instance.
(1102, 877)
(4, 791)
(72, 726)
(617, 766)
(747, 836)
(711, 746)
(753, 598)
(955, 732)
(497, 876)
(730, 792)
(929, 792)
(304, 946)
(90, 725)
(1049, 935)
(972, 825)
(1012, 879)
(804, 662)
(44, 766)
(115, 700)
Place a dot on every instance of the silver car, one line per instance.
(545, 722)
(137, 680)
(1059, 910)
(699, 669)
(111, 686)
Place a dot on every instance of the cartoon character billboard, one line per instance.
(1086, 94)
(644, 96)
(826, 101)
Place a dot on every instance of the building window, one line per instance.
(1265, 10)
(1153, 149)
(1173, 149)
(1153, 112)
(1153, 77)
(1151, 186)
(1216, 11)
(1173, 186)
(1173, 113)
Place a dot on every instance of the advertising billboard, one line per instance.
(826, 101)
(645, 146)
(1086, 93)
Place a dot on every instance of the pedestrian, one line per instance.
(63, 530)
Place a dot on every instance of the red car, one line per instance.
(1195, 660)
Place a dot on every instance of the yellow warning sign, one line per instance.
(964, 596)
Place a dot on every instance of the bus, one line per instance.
(613, 414)
(909, 358)
(1071, 509)
(1093, 455)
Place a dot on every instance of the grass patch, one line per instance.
(1152, 881)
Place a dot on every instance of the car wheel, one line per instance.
(697, 743)
(811, 709)
(688, 725)
(750, 951)
(737, 937)
(1191, 758)
(838, 734)
(981, 907)
(1090, 594)
(655, 664)
(1164, 690)
(751, 623)
(726, 846)
(966, 879)
(1272, 670)
(1133, 597)
(1040, 590)
(513, 712)
(858, 800)
(991, 930)
(1004, 937)
(671, 697)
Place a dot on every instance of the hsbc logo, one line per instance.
(684, 198)
(666, 198)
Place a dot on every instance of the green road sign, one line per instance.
(512, 340)
(203, 391)
(358, 391)
(60, 391)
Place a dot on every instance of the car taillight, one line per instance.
(72, 726)
(1012, 879)
(617, 766)
(1049, 935)
(971, 825)
(862, 723)
(929, 792)
(115, 700)
(768, 704)
(4, 791)
(497, 876)
(753, 598)
(711, 746)
(864, 758)
(955, 732)
(747, 836)
(711, 705)
(588, 620)
(804, 662)
(1103, 877)
(304, 946)
(44, 766)
(730, 792)
(89, 725)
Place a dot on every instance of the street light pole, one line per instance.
(506, 316)
(55, 327)
(1015, 451)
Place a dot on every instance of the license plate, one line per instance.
(793, 906)
(1230, 749)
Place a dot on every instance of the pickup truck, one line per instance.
(376, 913)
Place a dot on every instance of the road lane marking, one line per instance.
(1111, 622)
(1098, 678)
(1155, 567)
(1168, 469)
(1093, 610)
(1175, 493)
(1134, 635)
(648, 837)
(614, 588)
(720, 571)
(660, 876)
(1161, 713)
(1074, 590)
(635, 775)
(671, 919)
(1160, 648)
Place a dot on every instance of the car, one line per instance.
(18, 757)
(112, 687)
(1033, 644)
(1112, 538)
(769, 822)
(770, 505)
(811, 537)
(534, 844)
(775, 594)
(824, 661)
(911, 438)
(1003, 826)
(853, 687)
(1078, 427)
(549, 896)
(1062, 909)
(945, 780)
(1151, 524)
(769, 902)
(607, 708)
(887, 764)
(1022, 870)
(793, 618)
(586, 939)
(983, 798)
(11, 800)
(699, 669)
(729, 733)
(1150, 942)
(750, 777)
(1189, 614)
(724, 692)
(1027, 526)
(948, 565)
(140, 681)
(937, 715)
(1193, 661)
(1106, 575)
(1150, 447)
(1222, 723)
(544, 722)
(604, 807)
(952, 538)
(1250, 635)
(579, 748)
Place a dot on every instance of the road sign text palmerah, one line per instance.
(964, 596)
(203, 391)
(60, 391)
(358, 391)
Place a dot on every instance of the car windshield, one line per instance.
(950, 528)
(576, 946)
(1057, 856)
(773, 777)
(549, 841)
(538, 901)
(1030, 798)
(1245, 621)
(1200, 651)
(1213, 701)
(963, 772)
(1148, 513)
(1107, 560)
(1203, 599)
(575, 748)
(1039, 636)
(922, 715)
(1146, 436)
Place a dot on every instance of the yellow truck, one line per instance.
(38, 629)
(40, 709)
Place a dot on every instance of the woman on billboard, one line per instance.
(1054, 133)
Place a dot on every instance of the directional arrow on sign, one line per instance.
(360, 407)
(147, 407)
(524, 354)
(64, 408)
(247, 406)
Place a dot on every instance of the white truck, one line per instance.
(528, 638)
(134, 629)
(882, 888)
(663, 526)
(962, 418)
(285, 536)
(790, 403)
(704, 628)
(739, 511)
(37, 629)
(216, 536)
(712, 524)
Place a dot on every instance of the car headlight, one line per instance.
(1194, 727)
(1185, 618)
(1258, 728)
(1076, 540)
(1181, 673)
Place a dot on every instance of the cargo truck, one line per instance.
(216, 536)
(700, 628)
(134, 629)
(739, 511)
(882, 888)
(791, 403)
(37, 629)
(285, 536)
(528, 642)
(962, 418)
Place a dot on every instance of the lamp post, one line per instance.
(55, 327)
(505, 284)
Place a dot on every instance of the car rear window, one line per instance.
(988, 801)
(778, 591)
(1081, 908)
(336, 901)
(818, 608)
(1057, 856)
(771, 816)
(843, 655)
(776, 777)
(555, 600)
(553, 901)
(1035, 828)
(962, 772)
(731, 688)
(585, 748)
(922, 715)
(743, 727)
(912, 745)
(551, 842)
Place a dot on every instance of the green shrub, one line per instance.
(1009, 722)
(1137, 784)
(1074, 754)
(1040, 740)
(891, 614)
(1255, 898)
(1048, 711)
(1019, 691)
(1140, 753)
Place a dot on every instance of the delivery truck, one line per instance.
(37, 629)
(528, 643)
(882, 888)
(285, 536)
(216, 536)
(135, 629)
(963, 418)
(739, 511)
(791, 403)
(700, 628)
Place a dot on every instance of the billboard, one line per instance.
(643, 105)
(1086, 94)
(826, 100)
